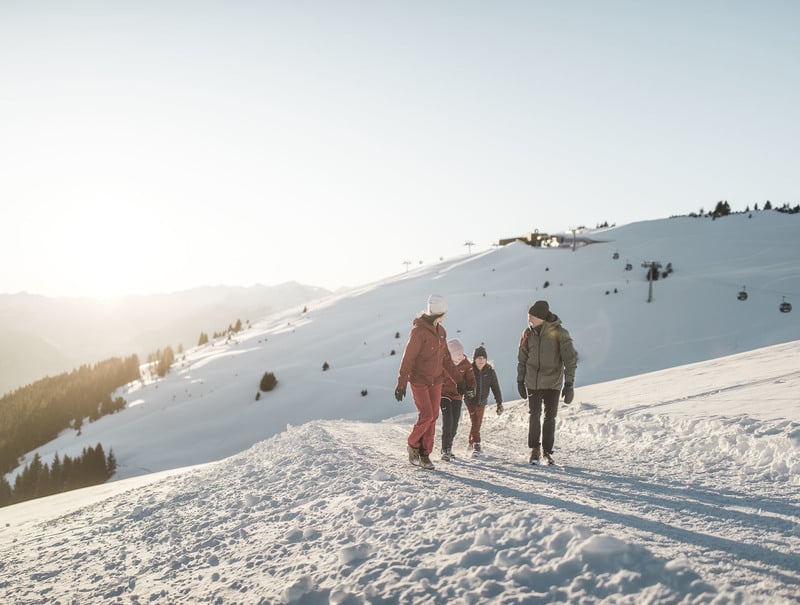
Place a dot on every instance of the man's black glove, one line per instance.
(568, 393)
(499, 408)
(461, 387)
(523, 392)
(399, 393)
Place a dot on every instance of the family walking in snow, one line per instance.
(441, 377)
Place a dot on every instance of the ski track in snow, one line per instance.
(331, 512)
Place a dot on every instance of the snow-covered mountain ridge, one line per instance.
(209, 398)
(678, 486)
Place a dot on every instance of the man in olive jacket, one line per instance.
(546, 357)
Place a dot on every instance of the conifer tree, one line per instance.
(17, 489)
(34, 475)
(165, 359)
(111, 464)
(5, 492)
(68, 473)
(42, 482)
(56, 475)
(268, 381)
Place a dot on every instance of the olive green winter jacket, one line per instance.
(546, 356)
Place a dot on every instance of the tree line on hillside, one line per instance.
(40, 479)
(162, 360)
(229, 331)
(723, 208)
(786, 209)
(35, 414)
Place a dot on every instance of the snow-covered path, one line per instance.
(331, 512)
(616, 479)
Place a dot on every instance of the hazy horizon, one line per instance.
(155, 147)
(122, 297)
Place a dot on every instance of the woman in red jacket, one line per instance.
(424, 360)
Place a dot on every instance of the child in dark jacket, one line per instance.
(485, 380)
(451, 398)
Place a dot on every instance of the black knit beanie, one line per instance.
(479, 352)
(540, 309)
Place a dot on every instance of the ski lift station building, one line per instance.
(545, 240)
(536, 239)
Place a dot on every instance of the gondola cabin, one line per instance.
(785, 307)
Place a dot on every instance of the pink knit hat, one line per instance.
(456, 349)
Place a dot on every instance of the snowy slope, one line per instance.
(663, 505)
(679, 485)
(205, 409)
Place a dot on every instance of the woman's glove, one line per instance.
(399, 393)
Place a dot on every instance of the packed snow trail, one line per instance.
(616, 479)
(332, 512)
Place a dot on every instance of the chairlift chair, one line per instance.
(615, 256)
(742, 294)
(785, 307)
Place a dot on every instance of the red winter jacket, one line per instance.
(426, 356)
(464, 369)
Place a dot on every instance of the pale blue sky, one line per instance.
(163, 145)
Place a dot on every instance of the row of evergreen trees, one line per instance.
(723, 208)
(163, 360)
(232, 329)
(35, 414)
(39, 479)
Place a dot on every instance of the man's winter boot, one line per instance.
(476, 449)
(534, 456)
(425, 462)
(451, 454)
(446, 455)
(549, 458)
(413, 455)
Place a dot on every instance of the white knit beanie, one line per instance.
(436, 305)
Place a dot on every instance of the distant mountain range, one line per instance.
(41, 336)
